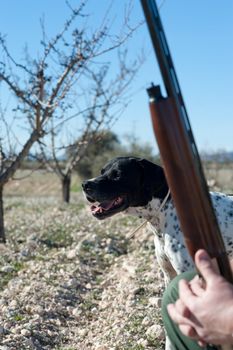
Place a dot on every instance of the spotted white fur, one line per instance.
(170, 249)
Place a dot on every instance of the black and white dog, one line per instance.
(138, 187)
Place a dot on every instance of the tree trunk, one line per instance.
(66, 181)
(2, 229)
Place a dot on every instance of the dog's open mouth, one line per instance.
(108, 207)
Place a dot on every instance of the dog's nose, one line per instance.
(86, 185)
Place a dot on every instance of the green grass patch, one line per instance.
(5, 277)
(18, 317)
(76, 187)
(57, 237)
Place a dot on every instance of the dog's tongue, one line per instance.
(107, 204)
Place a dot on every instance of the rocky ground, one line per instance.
(70, 282)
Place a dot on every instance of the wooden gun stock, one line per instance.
(187, 183)
(180, 156)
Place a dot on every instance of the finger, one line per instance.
(205, 266)
(182, 308)
(186, 294)
(197, 286)
(176, 316)
(201, 343)
(189, 331)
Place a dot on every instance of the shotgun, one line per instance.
(180, 156)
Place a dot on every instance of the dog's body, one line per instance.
(138, 187)
(170, 249)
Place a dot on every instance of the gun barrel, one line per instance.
(161, 47)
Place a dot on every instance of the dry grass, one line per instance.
(220, 176)
(28, 183)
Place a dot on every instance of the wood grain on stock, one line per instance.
(188, 188)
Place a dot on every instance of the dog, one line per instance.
(138, 187)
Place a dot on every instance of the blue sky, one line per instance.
(200, 36)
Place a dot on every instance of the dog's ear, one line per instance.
(153, 178)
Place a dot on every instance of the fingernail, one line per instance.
(203, 256)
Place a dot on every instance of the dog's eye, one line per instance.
(114, 175)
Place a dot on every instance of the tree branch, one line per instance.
(9, 172)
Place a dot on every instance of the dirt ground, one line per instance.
(70, 282)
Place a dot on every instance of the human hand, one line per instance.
(205, 312)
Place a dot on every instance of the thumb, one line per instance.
(205, 265)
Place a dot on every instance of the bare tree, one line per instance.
(100, 102)
(44, 89)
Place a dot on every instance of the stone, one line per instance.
(146, 321)
(76, 312)
(155, 301)
(2, 330)
(101, 347)
(71, 254)
(25, 332)
(143, 342)
(7, 269)
(13, 304)
(83, 332)
(155, 332)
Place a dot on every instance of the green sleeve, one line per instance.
(179, 341)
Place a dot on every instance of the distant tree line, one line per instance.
(105, 145)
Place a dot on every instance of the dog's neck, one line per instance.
(150, 212)
(161, 191)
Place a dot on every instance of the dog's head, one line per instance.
(124, 182)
